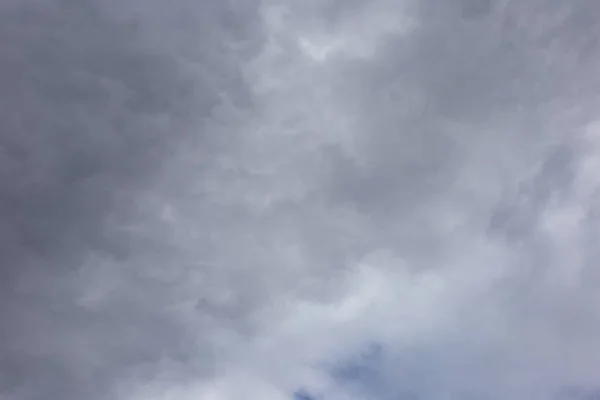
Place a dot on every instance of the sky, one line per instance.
(299, 200)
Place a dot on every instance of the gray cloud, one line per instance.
(90, 111)
(222, 199)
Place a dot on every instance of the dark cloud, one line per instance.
(217, 191)
(90, 109)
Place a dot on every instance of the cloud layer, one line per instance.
(299, 200)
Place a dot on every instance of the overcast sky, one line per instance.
(299, 200)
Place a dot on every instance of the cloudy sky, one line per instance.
(299, 200)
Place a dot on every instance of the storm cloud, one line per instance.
(299, 199)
